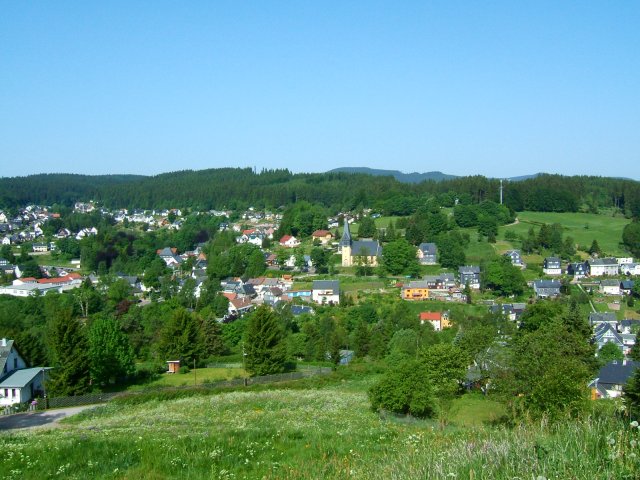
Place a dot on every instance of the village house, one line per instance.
(626, 287)
(516, 258)
(631, 269)
(439, 320)
(552, 266)
(427, 253)
(470, 275)
(599, 267)
(326, 292)
(578, 269)
(323, 236)
(18, 384)
(289, 241)
(416, 290)
(546, 288)
(612, 378)
(610, 287)
(511, 311)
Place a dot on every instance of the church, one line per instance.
(353, 251)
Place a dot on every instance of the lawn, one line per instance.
(197, 376)
(583, 227)
(312, 432)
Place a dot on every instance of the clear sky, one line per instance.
(497, 88)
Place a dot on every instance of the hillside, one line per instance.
(414, 177)
(300, 431)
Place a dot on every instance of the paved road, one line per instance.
(47, 418)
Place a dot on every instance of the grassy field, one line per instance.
(311, 433)
(583, 227)
(197, 377)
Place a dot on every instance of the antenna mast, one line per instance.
(501, 191)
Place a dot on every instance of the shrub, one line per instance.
(404, 389)
(184, 369)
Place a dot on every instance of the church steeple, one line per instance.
(346, 235)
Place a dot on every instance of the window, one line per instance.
(6, 392)
(13, 393)
(15, 363)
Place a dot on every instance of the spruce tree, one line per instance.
(69, 346)
(264, 345)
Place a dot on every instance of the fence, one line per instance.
(95, 398)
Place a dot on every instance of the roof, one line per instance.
(626, 284)
(600, 317)
(370, 247)
(604, 261)
(20, 378)
(430, 316)
(428, 248)
(321, 233)
(552, 260)
(333, 285)
(469, 270)
(547, 284)
(616, 372)
(4, 353)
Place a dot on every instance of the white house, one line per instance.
(603, 266)
(18, 384)
(610, 287)
(289, 241)
(326, 291)
(552, 266)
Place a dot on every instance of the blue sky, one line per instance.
(496, 88)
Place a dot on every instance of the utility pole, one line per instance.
(195, 375)
(500, 191)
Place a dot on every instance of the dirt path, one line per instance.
(44, 419)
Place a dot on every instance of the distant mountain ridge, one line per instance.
(415, 177)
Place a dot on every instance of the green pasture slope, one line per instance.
(583, 227)
(318, 428)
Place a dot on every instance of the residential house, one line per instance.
(444, 281)
(40, 247)
(596, 318)
(326, 292)
(631, 269)
(599, 267)
(578, 269)
(170, 256)
(416, 290)
(355, 252)
(516, 258)
(470, 274)
(324, 236)
(512, 311)
(18, 384)
(606, 333)
(552, 266)
(25, 287)
(628, 326)
(626, 287)
(610, 287)
(301, 310)
(86, 232)
(612, 378)
(239, 306)
(427, 253)
(289, 241)
(546, 288)
(439, 320)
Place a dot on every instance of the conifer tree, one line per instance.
(265, 347)
(71, 375)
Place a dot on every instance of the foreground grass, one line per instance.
(310, 433)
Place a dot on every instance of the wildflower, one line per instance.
(634, 424)
(612, 441)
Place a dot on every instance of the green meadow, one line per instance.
(312, 429)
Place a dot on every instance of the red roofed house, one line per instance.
(289, 241)
(439, 320)
(324, 236)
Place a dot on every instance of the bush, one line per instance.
(184, 369)
(404, 389)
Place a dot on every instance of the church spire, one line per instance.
(346, 235)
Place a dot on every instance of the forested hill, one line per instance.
(51, 188)
(241, 187)
(414, 177)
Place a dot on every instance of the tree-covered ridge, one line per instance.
(242, 187)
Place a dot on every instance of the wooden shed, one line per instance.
(174, 366)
